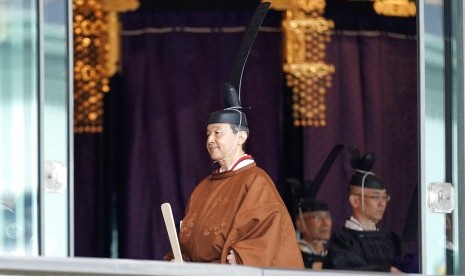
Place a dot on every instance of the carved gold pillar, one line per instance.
(306, 33)
(96, 57)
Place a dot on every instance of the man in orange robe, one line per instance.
(236, 215)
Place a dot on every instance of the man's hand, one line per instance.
(231, 258)
(395, 270)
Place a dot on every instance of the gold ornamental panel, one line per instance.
(306, 33)
(399, 8)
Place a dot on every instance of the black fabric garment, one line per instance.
(363, 250)
(310, 259)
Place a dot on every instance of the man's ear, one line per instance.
(243, 136)
(354, 200)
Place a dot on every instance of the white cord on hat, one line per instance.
(365, 174)
(302, 219)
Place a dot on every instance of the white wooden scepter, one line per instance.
(171, 229)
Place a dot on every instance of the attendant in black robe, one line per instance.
(360, 245)
(314, 222)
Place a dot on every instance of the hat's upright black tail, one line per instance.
(244, 50)
(315, 185)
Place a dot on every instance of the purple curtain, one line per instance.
(91, 196)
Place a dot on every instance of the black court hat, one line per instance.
(233, 112)
(312, 206)
(363, 176)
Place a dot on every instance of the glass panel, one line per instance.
(433, 156)
(441, 126)
(55, 128)
(19, 124)
(458, 150)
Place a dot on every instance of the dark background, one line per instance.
(153, 146)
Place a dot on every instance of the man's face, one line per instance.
(317, 225)
(220, 138)
(375, 202)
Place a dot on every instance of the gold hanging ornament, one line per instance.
(96, 57)
(306, 33)
(90, 75)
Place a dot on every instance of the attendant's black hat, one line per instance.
(363, 176)
(312, 205)
(233, 112)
